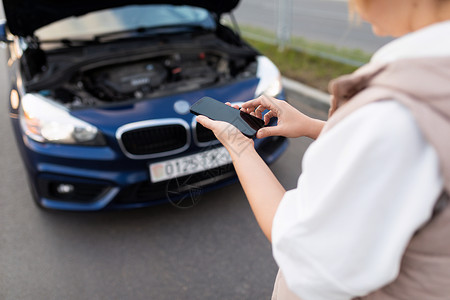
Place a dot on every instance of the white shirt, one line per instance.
(367, 185)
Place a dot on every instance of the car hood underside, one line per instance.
(26, 16)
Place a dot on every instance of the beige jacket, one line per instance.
(422, 85)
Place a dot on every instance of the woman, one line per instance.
(368, 219)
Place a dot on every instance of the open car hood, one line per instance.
(25, 16)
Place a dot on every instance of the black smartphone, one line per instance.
(216, 110)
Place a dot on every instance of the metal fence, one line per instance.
(281, 36)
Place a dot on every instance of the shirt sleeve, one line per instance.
(367, 185)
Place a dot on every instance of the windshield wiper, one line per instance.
(143, 31)
(127, 34)
(70, 42)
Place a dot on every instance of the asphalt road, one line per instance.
(317, 20)
(212, 251)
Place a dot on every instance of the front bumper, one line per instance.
(96, 179)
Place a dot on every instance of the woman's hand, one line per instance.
(291, 122)
(233, 140)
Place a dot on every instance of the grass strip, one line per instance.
(306, 45)
(309, 69)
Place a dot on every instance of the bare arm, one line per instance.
(264, 192)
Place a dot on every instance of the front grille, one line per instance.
(154, 139)
(204, 134)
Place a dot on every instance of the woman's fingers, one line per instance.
(261, 103)
(268, 131)
(233, 106)
(205, 121)
(270, 114)
(257, 106)
(258, 111)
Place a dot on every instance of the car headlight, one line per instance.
(269, 78)
(46, 121)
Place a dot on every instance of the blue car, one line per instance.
(100, 96)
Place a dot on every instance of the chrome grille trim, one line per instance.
(153, 123)
(196, 141)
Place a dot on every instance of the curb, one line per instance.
(307, 91)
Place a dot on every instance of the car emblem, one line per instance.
(181, 107)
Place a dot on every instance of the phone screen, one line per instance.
(219, 111)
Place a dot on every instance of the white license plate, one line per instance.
(191, 164)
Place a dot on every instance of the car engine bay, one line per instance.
(77, 79)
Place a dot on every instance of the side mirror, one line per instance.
(3, 35)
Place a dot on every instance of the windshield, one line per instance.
(125, 18)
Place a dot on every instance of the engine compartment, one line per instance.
(150, 77)
(122, 77)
